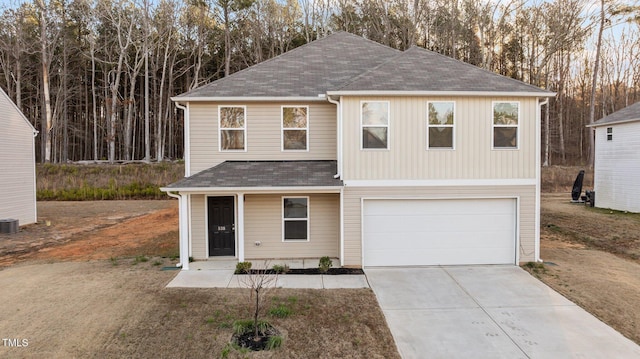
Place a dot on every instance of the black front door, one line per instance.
(222, 229)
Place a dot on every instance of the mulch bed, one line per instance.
(332, 271)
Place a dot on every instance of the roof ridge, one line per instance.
(356, 78)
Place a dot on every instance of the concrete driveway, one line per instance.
(488, 312)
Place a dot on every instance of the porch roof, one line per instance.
(261, 174)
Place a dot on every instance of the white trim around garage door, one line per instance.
(371, 198)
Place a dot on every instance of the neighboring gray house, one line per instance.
(372, 156)
(17, 155)
(616, 176)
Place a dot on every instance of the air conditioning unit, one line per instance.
(9, 226)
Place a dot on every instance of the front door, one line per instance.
(222, 229)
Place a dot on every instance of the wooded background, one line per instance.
(78, 68)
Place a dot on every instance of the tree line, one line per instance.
(95, 77)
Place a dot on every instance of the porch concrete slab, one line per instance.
(496, 285)
(201, 279)
(562, 332)
(449, 333)
(344, 281)
(300, 281)
(423, 288)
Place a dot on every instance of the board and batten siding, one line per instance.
(263, 223)
(617, 167)
(353, 211)
(17, 156)
(408, 158)
(263, 134)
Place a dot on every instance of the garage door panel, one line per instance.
(438, 232)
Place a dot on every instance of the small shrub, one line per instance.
(325, 264)
(280, 269)
(242, 268)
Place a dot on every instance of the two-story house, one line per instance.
(375, 157)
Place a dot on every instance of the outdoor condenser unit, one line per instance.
(9, 226)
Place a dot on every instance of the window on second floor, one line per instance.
(609, 133)
(232, 122)
(374, 120)
(440, 125)
(506, 118)
(295, 128)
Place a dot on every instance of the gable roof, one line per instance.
(262, 174)
(628, 114)
(343, 63)
(421, 70)
(12, 104)
(305, 71)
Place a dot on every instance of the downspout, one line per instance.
(338, 104)
(184, 238)
(187, 147)
(538, 170)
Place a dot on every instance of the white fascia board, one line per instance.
(442, 93)
(613, 123)
(250, 99)
(442, 183)
(250, 190)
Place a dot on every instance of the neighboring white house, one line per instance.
(375, 157)
(617, 160)
(17, 155)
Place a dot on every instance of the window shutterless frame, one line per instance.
(377, 123)
(609, 133)
(291, 123)
(232, 132)
(505, 120)
(292, 221)
(445, 111)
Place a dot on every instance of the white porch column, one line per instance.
(240, 227)
(184, 231)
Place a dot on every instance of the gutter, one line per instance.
(187, 144)
(339, 148)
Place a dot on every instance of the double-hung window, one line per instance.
(609, 133)
(295, 219)
(232, 122)
(375, 124)
(440, 125)
(295, 128)
(506, 118)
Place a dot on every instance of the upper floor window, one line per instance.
(375, 124)
(506, 117)
(295, 128)
(232, 121)
(609, 133)
(295, 218)
(440, 125)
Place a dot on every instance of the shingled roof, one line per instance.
(240, 174)
(342, 63)
(628, 114)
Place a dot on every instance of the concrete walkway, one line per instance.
(488, 312)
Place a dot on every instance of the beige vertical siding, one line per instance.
(263, 134)
(263, 222)
(408, 158)
(17, 179)
(352, 209)
(198, 227)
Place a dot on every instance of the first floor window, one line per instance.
(609, 133)
(440, 124)
(295, 218)
(232, 122)
(505, 124)
(375, 125)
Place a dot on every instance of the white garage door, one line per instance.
(439, 232)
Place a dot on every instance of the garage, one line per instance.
(410, 232)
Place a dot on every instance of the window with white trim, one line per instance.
(440, 125)
(295, 128)
(232, 121)
(295, 218)
(609, 133)
(375, 124)
(506, 118)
